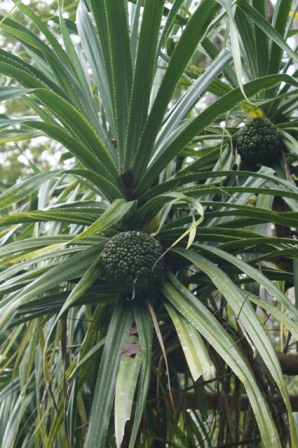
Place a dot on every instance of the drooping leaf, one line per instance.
(106, 380)
(191, 308)
(125, 389)
(192, 345)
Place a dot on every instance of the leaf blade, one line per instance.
(192, 344)
(125, 388)
(207, 325)
(106, 380)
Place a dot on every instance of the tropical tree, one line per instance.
(144, 99)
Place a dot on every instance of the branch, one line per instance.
(289, 363)
(214, 402)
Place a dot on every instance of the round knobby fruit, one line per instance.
(258, 142)
(133, 261)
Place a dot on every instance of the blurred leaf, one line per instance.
(12, 92)
(23, 189)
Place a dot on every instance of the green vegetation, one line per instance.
(140, 103)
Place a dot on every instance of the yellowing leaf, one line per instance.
(252, 110)
(295, 15)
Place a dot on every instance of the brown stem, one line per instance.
(289, 363)
(213, 402)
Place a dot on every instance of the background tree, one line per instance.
(151, 136)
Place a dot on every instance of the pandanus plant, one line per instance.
(139, 277)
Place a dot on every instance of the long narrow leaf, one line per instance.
(143, 76)
(250, 321)
(111, 216)
(79, 127)
(188, 101)
(12, 92)
(258, 277)
(191, 308)
(193, 32)
(265, 26)
(193, 346)
(106, 380)
(112, 22)
(22, 190)
(111, 190)
(219, 107)
(125, 389)
(94, 56)
(26, 74)
(145, 332)
(66, 270)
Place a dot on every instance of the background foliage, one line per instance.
(143, 133)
